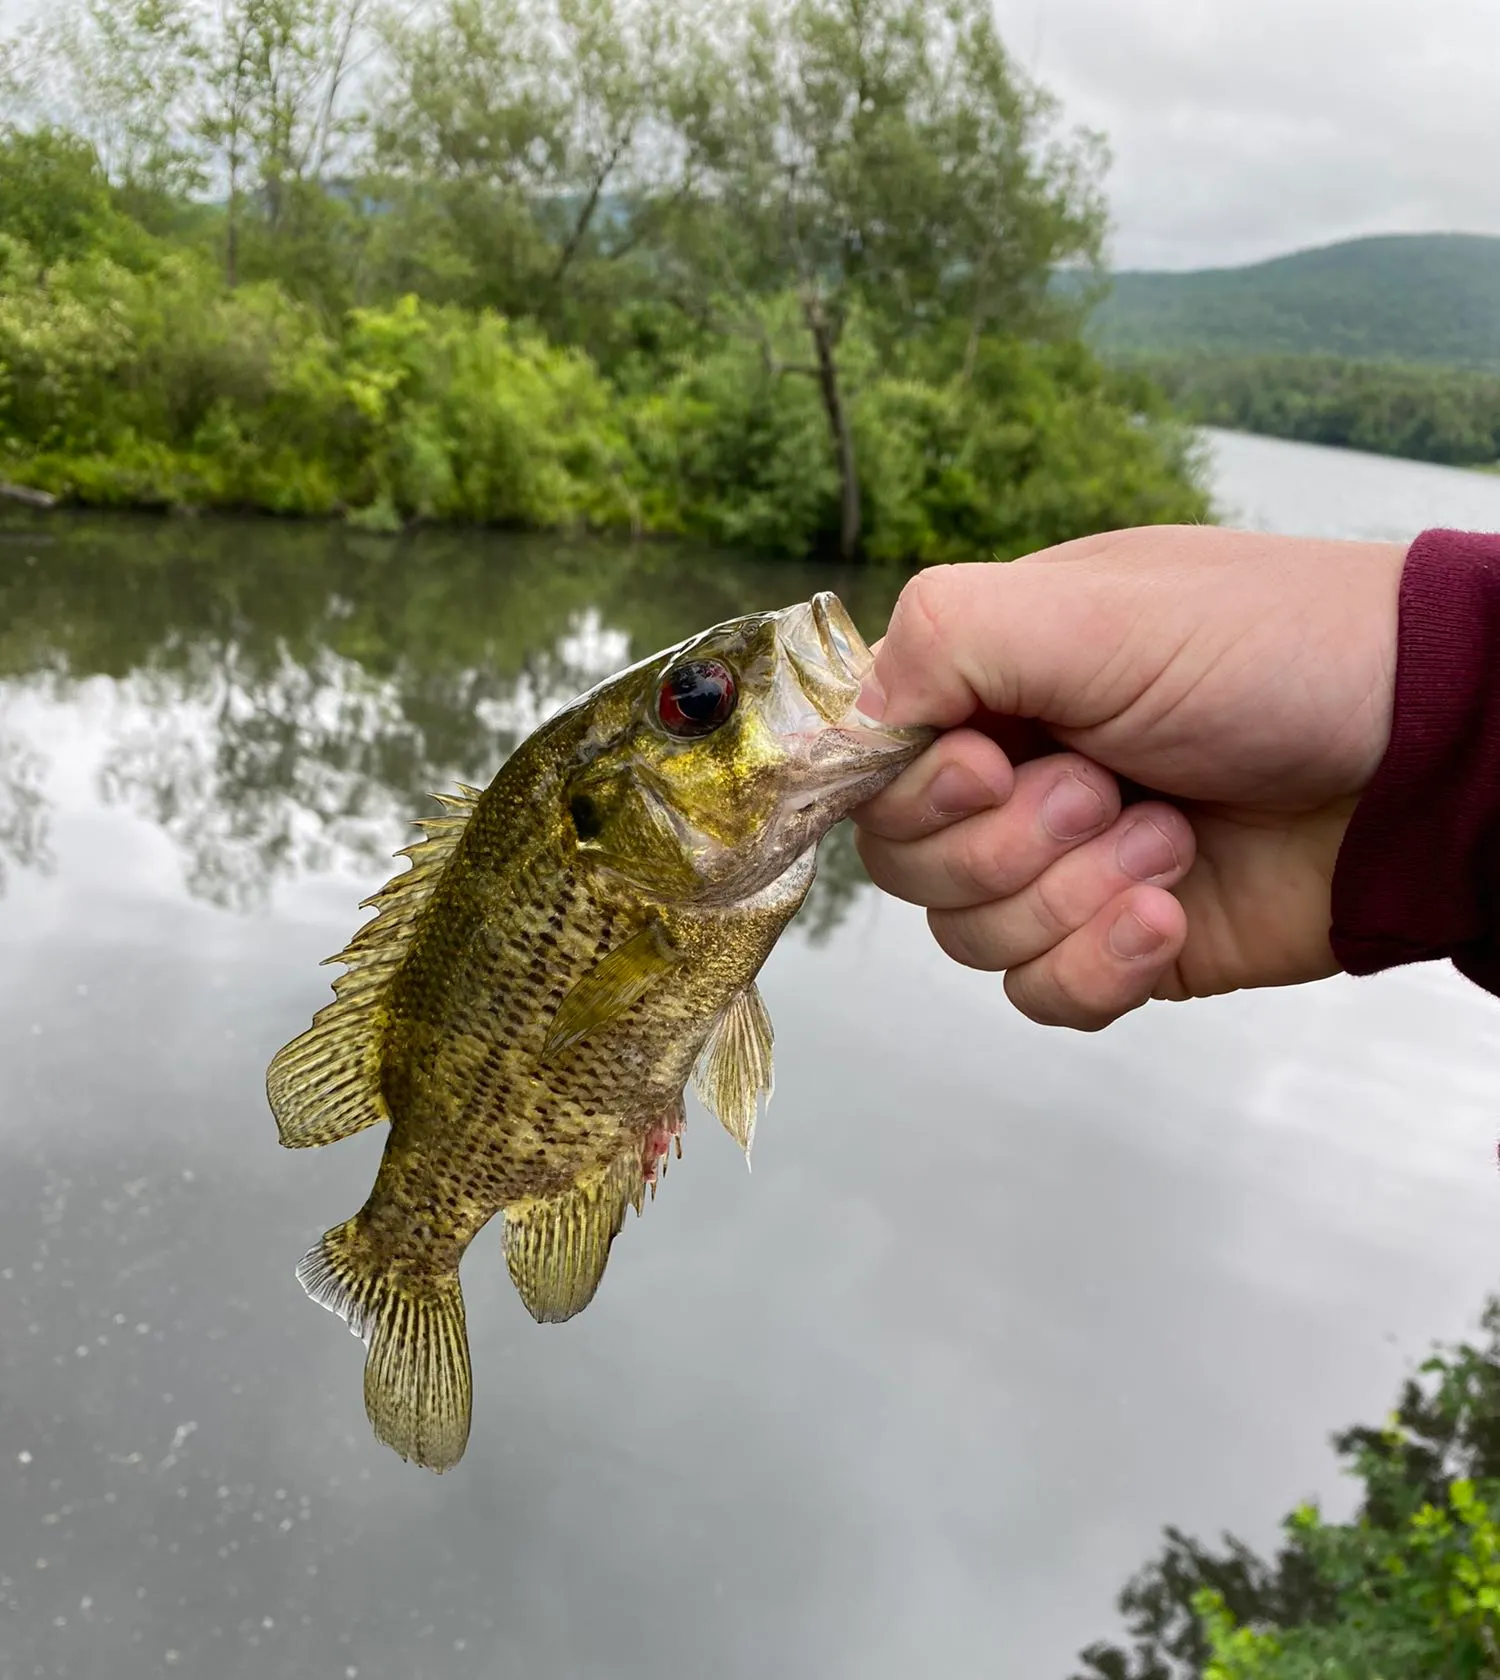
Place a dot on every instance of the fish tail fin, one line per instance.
(417, 1381)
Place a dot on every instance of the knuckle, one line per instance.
(1052, 921)
(922, 606)
(882, 863)
(959, 938)
(973, 863)
(1049, 998)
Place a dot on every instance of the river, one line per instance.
(997, 1304)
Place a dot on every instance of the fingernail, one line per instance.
(1072, 809)
(957, 791)
(1145, 852)
(1130, 937)
(872, 698)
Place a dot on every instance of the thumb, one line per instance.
(1031, 638)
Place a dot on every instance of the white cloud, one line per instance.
(1244, 128)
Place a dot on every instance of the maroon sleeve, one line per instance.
(1418, 874)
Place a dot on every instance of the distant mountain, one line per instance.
(1405, 297)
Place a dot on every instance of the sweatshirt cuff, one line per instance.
(1418, 873)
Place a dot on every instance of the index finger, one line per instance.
(1014, 638)
(960, 773)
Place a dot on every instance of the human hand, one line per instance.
(1242, 683)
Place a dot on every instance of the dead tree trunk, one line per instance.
(824, 344)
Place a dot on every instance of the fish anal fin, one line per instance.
(617, 982)
(417, 1381)
(735, 1066)
(325, 1085)
(557, 1246)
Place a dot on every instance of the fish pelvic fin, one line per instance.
(615, 984)
(557, 1246)
(735, 1066)
(325, 1085)
(418, 1389)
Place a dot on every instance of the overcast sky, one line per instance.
(1244, 128)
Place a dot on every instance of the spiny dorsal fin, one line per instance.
(735, 1066)
(325, 1085)
(417, 1382)
(611, 987)
(556, 1246)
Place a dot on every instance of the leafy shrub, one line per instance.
(1408, 1589)
(163, 388)
(1417, 1601)
(1041, 445)
(1036, 448)
(734, 452)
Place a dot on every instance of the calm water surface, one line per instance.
(997, 1304)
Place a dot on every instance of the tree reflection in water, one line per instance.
(281, 699)
(1369, 1597)
(24, 811)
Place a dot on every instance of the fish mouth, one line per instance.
(847, 756)
(827, 653)
(846, 649)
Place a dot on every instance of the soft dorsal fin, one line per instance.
(612, 986)
(325, 1085)
(735, 1066)
(557, 1246)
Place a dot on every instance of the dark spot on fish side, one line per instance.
(588, 822)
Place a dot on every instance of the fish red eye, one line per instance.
(695, 698)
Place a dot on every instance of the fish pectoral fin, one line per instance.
(557, 1246)
(735, 1066)
(325, 1085)
(612, 986)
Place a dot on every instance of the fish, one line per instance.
(563, 952)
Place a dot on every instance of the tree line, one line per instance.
(1418, 410)
(781, 272)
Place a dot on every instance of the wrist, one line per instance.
(1418, 874)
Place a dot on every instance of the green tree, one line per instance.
(1419, 410)
(271, 112)
(54, 198)
(248, 98)
(1417, 1600)
(875, 157)
(516, 137)
(123, 75)
(1408, 1589)
(777, 278)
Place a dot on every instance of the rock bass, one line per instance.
(564, 950)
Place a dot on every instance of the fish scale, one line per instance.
(528, 1003)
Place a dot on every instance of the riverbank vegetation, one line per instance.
(1408, 1588)
(1416, 410)
(776, 278)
